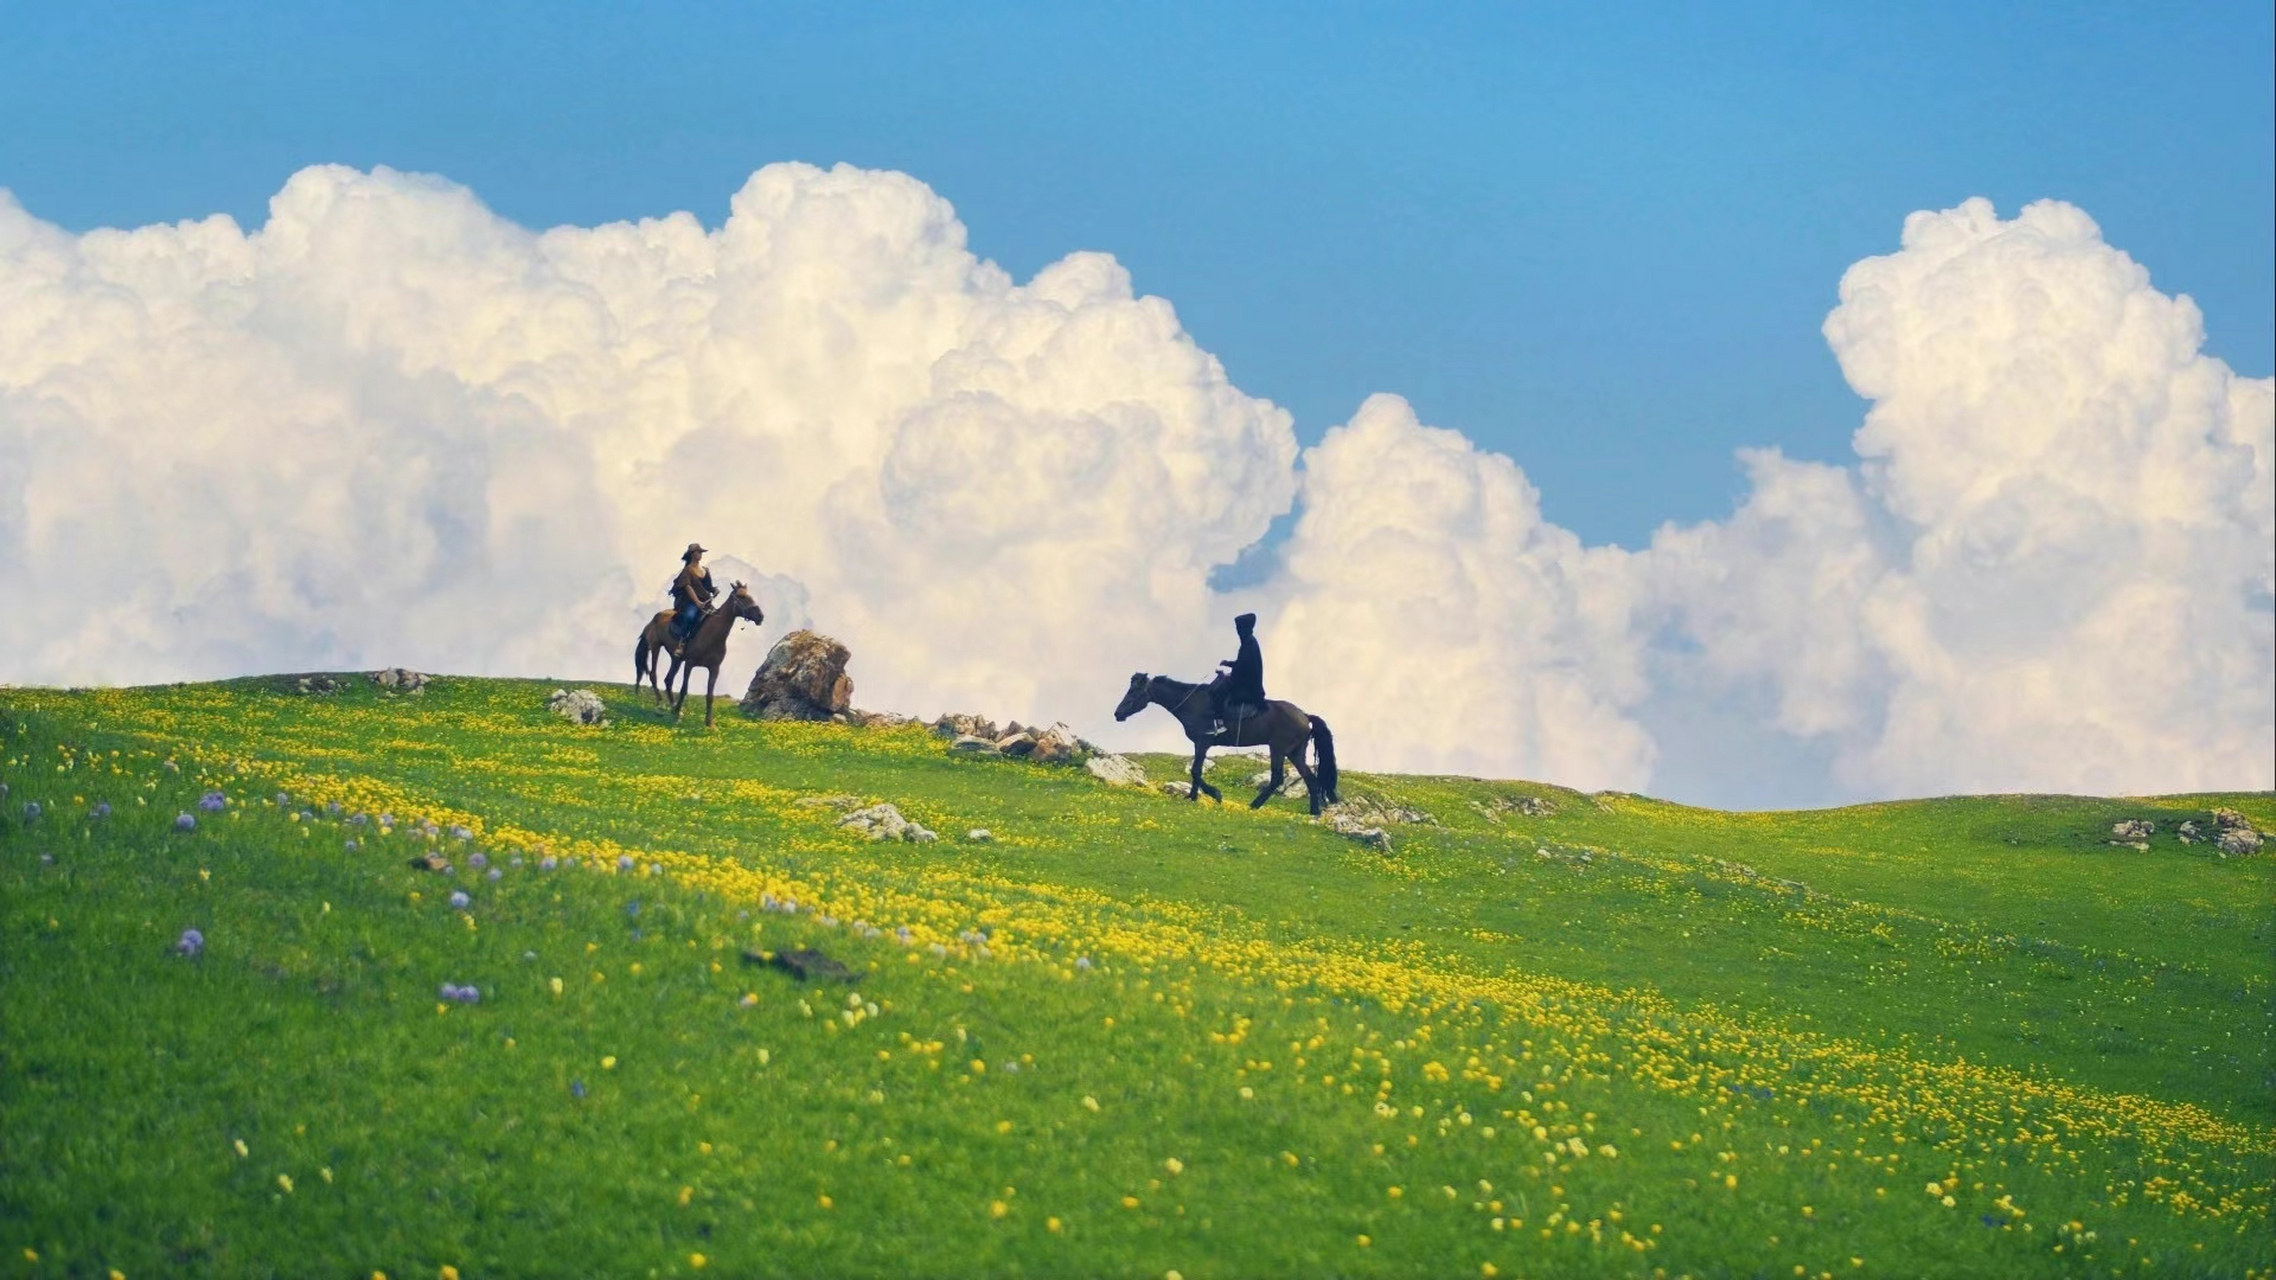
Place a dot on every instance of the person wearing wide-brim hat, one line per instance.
(1239, 692)
(692, 594)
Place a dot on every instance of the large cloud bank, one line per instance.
(391, 427)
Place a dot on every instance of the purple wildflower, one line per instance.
(576, 1088)
(102, 809)
(461, 833)
(354, 845)
(31, 810)
(1082, 962)
(284, 800)
(477, 860)
(184, 822)
(549, 863)
(623, 860)
(461, 995)
(632, 908)
(387, 819)
(459, 899)
(495, 873)
(190, 944)
(213, 802)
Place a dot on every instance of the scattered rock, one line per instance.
(1523, 806)
(959, 725)
(877, 719)
(1294, 786)
(806, 965)
(1015, 744)
(319, 684)
(2239, 842)
(2190, 832)
(884, 822)
(803, 678)
(2234, 834)
(1344, 824)
(1058, 745)
(400, 679)
(1179, 789)
(831, 802)
(1116, 771)
(580, 706)
(973, 744)
(980, 835)
(2132, 829)
(1374, 812)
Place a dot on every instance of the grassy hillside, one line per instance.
(1127, 1035)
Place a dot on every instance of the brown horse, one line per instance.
(1282, 728)
(707, 648)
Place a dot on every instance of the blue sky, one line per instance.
(1600, 239)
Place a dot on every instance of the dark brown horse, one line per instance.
(1281, 727)
(707, 648)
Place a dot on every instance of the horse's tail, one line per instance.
(640, 658)
(1324, 746)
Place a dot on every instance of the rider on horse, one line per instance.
(692, 594)
(1239, 692)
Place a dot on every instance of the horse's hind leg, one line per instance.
(1274, 783)
(1311, 780)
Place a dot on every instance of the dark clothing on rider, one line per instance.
(692, 593)
(693, 586)
(1244, 684)
(1239, 693)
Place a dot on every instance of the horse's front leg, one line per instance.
(1200, 754)
(710, 686)
(686, 672)
(1272, 784)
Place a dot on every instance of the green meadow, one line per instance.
(1545, 1033)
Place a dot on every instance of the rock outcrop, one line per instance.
(580, 706)
(803, 678)
(2234, 835)
(399, 680)
(978, 735)
(884, 822)
(1117, 771)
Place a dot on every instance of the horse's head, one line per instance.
(741, 605)
(1135, 700)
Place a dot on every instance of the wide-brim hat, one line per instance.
(694, 549)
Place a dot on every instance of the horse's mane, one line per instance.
(1181, 688)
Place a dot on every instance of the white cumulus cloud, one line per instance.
(1445, 623)
(390, 427)
(2051, 568)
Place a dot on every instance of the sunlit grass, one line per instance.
(1126, 1035)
